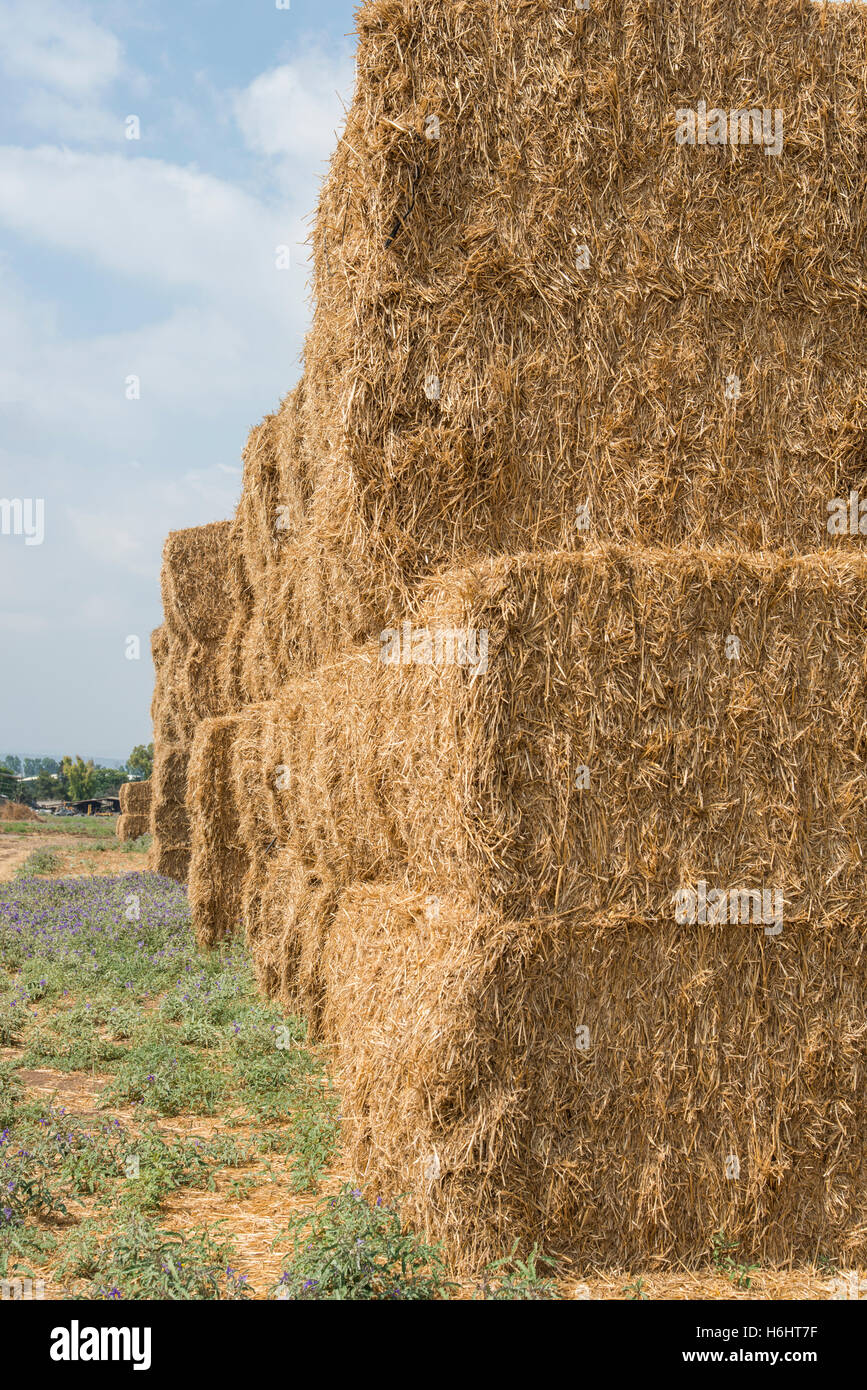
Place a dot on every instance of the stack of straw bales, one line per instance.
(135, 810)
(577, 397)
(202, 587)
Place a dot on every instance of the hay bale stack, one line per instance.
(470, 1085)
(587, 391)
(204, 587)
(503, 334)
(135, 805)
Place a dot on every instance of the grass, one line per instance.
(140, 1260)
(92, 827)
(103, 975)
(41, 861)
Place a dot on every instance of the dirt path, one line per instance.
(14, 849)
(77, 855)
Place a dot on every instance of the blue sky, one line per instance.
(152, 258)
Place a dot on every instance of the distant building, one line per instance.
(95, 805)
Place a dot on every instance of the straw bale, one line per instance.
(172, 861)
(131, 826)
(169, 819)
(258, 679)
(197, 582)
(135, 798)
(307, 769)
(274, 491)
(288, 906)
(219, 858)
(609, 667)
(713, 702)
(468, 1087)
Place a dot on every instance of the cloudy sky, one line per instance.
(152, 258)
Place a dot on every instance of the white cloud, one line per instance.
(83, 123)
(294, 110)
(145, 219)
(127, 533)
(102, 611)
(185, 294)
(57, 46)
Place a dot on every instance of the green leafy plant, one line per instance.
(41, 861)
(165, 1079)
(635, 1290)
(139, 1260)
(723, 1257)
(346, 1249)
(139, 846)
(511, 1279)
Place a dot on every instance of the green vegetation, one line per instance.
(741, 1275)
(635, 1290)
(92, 827)
(140, 762)
(346, 1249)
(139, 846)
(70, 779)
(41, 861)
(80, 778)
(510, 1279)
(141, 1261)
(102, 975)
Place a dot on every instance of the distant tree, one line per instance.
(79, 777)
(48, 788)
(140, 763)
(8, 783)
(106, 781)
(13, 762)
(31, 767)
